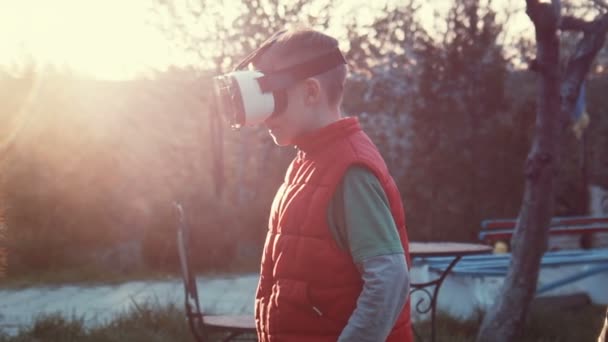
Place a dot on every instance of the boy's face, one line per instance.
(305, 104)
(300, 115)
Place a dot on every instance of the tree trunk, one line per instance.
(3, 251)
(505, 321)
(604, 332)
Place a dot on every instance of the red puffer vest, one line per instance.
(308, 286)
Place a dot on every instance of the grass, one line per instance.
(144, 323)
(548, 324)
(155, 324)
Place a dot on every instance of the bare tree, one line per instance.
(559, 89)
(199, 27)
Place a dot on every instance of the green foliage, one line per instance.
(89, 182)
(457, 117)
(96, 166)
(383, 63)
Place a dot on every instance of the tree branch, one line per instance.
(601, 4)
(581, 61)
(570, 23)
(532, 9)
(546, 17)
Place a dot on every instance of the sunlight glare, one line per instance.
(114, 39)
(106, 39)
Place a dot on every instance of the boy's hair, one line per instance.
(299, 45)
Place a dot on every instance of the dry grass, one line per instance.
(157, 324)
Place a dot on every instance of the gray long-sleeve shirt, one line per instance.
(385, 292)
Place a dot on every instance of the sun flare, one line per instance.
(117, 39)
(106, 39)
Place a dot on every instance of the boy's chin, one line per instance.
(280, 140)
(281, 143)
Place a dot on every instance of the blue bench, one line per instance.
(501, 230)
(498, 264)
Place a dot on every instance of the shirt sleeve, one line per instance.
(385, 292)
(360, 218)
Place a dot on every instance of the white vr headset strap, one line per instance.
(257, 105)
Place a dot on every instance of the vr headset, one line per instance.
(248, 97)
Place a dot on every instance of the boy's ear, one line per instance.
(312, 89)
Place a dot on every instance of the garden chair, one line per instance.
(202, 325)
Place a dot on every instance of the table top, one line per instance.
(432, 249)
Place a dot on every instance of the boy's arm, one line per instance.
(385, 292)
(364, 225)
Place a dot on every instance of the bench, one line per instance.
(592, 262)
(499, 231)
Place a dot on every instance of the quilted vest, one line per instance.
(308, 286)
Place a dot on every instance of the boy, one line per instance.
(335, 260)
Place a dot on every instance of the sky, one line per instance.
(113, 39)
(105, 39)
